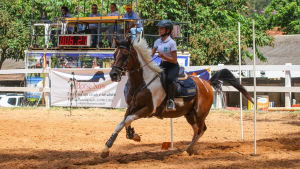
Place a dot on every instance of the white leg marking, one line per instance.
(129, 119)
(120, 126)
(106, 149)
(204, 85)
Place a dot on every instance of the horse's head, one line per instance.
(124, 57)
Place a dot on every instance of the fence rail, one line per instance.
(287, 89)
(45, 89)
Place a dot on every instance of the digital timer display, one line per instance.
(74, 40)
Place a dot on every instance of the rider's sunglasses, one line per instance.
(94, 8)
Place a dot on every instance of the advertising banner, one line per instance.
(92, 88)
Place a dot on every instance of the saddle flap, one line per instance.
(181, 72)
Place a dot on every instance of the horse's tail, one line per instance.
(226, 76)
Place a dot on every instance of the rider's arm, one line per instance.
(153, 51)
(172, 59)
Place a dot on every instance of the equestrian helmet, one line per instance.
(166, 24)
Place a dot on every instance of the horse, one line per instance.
(146, 96)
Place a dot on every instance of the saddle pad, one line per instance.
(188, 88)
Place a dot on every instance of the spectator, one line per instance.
(134, 27)
(112, 27)
(65, 13)
(94, 27)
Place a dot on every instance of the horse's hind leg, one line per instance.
(190, 117)
(201, 129)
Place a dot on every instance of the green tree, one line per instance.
(213, 28)
(258, 6)
(285, 14)
(14, 28)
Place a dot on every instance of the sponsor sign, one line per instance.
(92, 88)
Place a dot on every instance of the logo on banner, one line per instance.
(96, 78)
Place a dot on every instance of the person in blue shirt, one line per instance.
(94, 27)
(65, 13)
(134, 27)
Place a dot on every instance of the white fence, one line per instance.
(287, 89)
(45, 89)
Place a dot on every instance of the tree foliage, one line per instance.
(213, 28)
(285, 14)
(14, 28)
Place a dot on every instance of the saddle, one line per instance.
(185, 86)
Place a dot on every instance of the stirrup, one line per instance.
(170, 105)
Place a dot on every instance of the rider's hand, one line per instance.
(160, 55)
(111, 64)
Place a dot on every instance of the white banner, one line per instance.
(93, 87)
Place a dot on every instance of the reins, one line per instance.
(121, 70)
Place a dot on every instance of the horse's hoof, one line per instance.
(185, 153)
(104, 154)
(136, 137)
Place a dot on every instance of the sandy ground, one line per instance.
(41, 138)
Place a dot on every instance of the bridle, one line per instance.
(122, 70)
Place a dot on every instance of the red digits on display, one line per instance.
(72, 40)
(80, 40)
(61, 40)
(84, 40)
(67, 40)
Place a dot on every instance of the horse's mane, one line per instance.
(144, 51)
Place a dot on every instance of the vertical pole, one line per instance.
(101, 9)
(254, 78)
(119, 9)
(78, 10)
(54, 10)
(84, 8)
(287, 84)
(240, 73)
(31, 23)
(172, 133)
(187, 27)
(44, 67)
(136, 6)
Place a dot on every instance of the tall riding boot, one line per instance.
(171, 92)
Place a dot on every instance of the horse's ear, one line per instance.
(129, 42)
(116, 42)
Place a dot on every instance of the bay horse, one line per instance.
(147, 98)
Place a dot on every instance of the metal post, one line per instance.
(254, 78)
(288, 84)
(78, 10)
(54, 10)
(136, 6)
(31, 22)
(240, 72)
(172, 133)
(187, 20)
(84, 8)
(102, 9)
(119, 9)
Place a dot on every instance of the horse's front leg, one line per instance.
(128, 119)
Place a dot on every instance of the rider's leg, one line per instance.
(173, 70)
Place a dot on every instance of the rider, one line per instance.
(167, 51)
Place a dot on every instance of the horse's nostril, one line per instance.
(115, 74)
